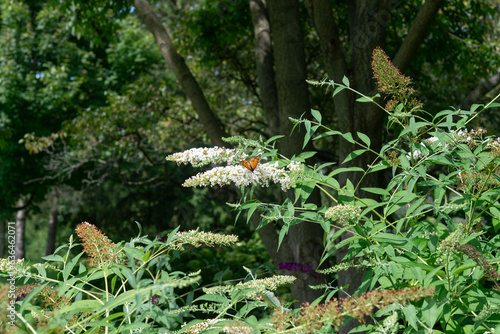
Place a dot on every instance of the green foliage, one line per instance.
(430, 232)
(427, 243)
(433, 226)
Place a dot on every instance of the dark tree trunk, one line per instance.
(264, 64)
(304, 242)
(51, 238)
(2, 239)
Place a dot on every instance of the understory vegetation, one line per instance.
(427, 241)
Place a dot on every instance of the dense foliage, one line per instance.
(428, 244)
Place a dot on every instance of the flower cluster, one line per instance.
(197, 239)
(296, 266)
(343, 213)
(155, 299)
(334, 312)
(490, 271)
(472, 137)
(448, 244)
(234, 328)
(203, 156)
(200, 327)
(477, 181)
(23, 291)
(263, 175)
(7, 266)
(494, 146)
(260, 285)
(422, 151)
(96, 245)
(390, 81)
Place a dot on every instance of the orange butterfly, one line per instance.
(252, 163)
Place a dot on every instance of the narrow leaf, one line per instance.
(316, 114)
(345, 81)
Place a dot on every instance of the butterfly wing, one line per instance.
(251, 164)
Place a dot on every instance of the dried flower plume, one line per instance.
(96, 245)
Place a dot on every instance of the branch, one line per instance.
(211, 123)
(481, 90)
(321, 14)
(416, 34)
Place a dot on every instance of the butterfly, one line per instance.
(251, 164)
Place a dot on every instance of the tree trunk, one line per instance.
(290, 65)
(51, 238)
(210, 122)
(304, 242)
(264, 65)
(2, 239)
(20, 229)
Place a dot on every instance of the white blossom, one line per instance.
(204, 156)
(262, 176)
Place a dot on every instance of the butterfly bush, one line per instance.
(263, 175)
(204, 155)
(472, 138)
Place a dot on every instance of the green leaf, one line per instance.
(56, 258)
(345, 170)
(130, 277)
(347, 136)
(345, 81)
(82, 306)
(273, 138)
(303, 156)
(304, 189)
(134, 252)
(468, 265)
(338, 90)
(70, 265)
(353, 155)
(411, 315)
(393, 239)
(327, 134)
(41, 270)
(316, 114)
(431, 274)
(364, 138)
(283, 232)
(364, 99)
(431, 312)
(308, 134)
(213, 298)
(378, 191)
(172, 234)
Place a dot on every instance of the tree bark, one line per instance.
(51, 238)
(304, 242)
(290, 66)
(20, 230)
(416, 34)
(480, 91)
(2, 239)
(264, 64)
(211, 123)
